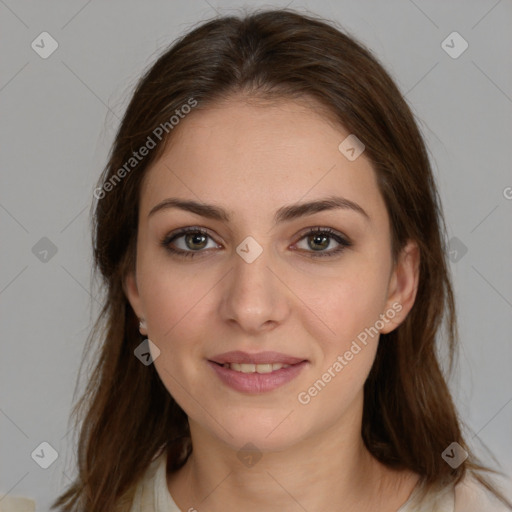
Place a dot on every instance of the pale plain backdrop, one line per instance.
(58, 116)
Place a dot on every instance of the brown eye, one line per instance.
(187, 242)
(319, 240)
(195, 240)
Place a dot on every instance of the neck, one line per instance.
(332, 470)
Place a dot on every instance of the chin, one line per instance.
(268, 434)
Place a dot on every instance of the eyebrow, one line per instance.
(283, 214)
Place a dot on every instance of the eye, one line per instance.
(318, 239)
(194, 239)
(191, 241)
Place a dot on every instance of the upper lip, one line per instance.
(240, 357)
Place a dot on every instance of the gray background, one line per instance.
(58, 117)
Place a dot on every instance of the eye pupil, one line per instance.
(319, 240)
(193, 238)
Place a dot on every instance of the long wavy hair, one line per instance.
(125, 416)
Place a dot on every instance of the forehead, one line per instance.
(248, 153)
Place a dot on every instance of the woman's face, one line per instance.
(257, 280)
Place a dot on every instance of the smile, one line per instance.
(255, 368)
(258, 378)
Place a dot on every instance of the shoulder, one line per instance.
(144, 498)
(152, 493)
(467, 496)
(471, 496)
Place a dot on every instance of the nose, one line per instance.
(254, 298)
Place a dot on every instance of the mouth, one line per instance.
(254, 368)
(258, 359)
(256, 373)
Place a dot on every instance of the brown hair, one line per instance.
(409, 417)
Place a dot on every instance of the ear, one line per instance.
(402, 287)
(132, 293)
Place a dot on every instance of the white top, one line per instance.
(152, 495)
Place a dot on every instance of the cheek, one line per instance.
(172, 294)
(176, 325)
(350, 308)
(177, 305)
(347, 304)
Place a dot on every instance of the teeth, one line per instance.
(255, 368)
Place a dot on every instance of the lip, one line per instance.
(240, 357)
(257, 383)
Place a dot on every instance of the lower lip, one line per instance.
(257, 382)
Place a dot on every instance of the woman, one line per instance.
(272, 245)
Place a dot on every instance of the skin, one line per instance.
(252, 158)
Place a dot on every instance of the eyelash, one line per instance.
(168, 239)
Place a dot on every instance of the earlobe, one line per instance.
(403, 286)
